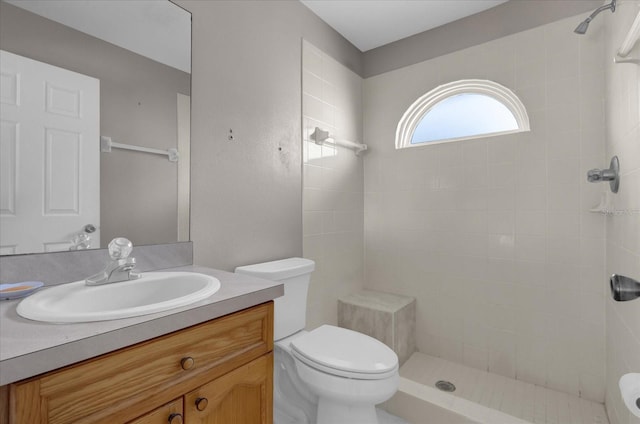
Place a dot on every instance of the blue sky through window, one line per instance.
(464, 115)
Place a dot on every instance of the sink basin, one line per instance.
(153, 292)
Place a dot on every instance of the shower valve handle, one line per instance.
(612, 174)
(596, 175)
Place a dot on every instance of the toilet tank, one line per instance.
(290, 310)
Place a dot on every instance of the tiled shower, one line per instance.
(493, 237)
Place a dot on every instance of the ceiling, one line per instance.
(157, 29)
(368, 24)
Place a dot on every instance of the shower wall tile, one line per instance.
(333, 180)
(493, 236)
(622, 227)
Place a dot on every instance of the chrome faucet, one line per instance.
(120, 268)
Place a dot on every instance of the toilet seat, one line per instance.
(345, 353)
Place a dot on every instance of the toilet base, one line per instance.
(331, 412)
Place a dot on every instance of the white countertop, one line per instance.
(29, 348)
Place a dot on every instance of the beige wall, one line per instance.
(246, 195)
(623, 227)
(333, 207)
(493, 236)
(506, 19)
(138, 105)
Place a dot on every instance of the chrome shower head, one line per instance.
(582, 28)
(584, 25)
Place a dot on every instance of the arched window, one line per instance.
(461, 110)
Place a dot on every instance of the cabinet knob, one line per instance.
(201, 404)
(175, 419)
(187, 363)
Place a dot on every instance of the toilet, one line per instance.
(329, 375)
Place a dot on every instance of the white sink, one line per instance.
(153, 292)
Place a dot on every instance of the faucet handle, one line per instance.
(612, 175)
(595, 175)
(120, 248)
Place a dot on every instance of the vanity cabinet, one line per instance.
(220, 371)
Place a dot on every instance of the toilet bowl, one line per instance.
(293, 401)
(329, 375)
(348, 371)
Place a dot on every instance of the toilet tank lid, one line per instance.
(279, 270)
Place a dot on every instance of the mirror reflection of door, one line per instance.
(50, 116)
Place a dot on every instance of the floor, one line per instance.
(386, 418)
(496, 397)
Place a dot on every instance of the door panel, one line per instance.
(49, 155)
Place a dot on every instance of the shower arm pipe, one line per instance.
(584, 25)
(629, 42)
(320, 137)
(595, 13)
(611, 6)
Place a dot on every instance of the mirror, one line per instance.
(61, 189)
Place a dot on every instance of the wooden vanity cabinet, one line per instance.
(219, 371)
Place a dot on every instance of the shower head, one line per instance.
(582, 28)
(584, 25)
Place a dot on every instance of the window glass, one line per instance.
(464, 115)
(461, 110)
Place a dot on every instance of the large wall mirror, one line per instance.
(85, 84)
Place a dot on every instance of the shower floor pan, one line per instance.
(482, 398)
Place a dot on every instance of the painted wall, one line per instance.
(333, 207)
(623, 227)
(138, 105)
(246, 194)
(500, 21)
(493, 236)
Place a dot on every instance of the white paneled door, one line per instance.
(49, 156)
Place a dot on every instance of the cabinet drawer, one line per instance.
(127, 383)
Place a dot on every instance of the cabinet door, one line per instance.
(170, 413)
(243, 396)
